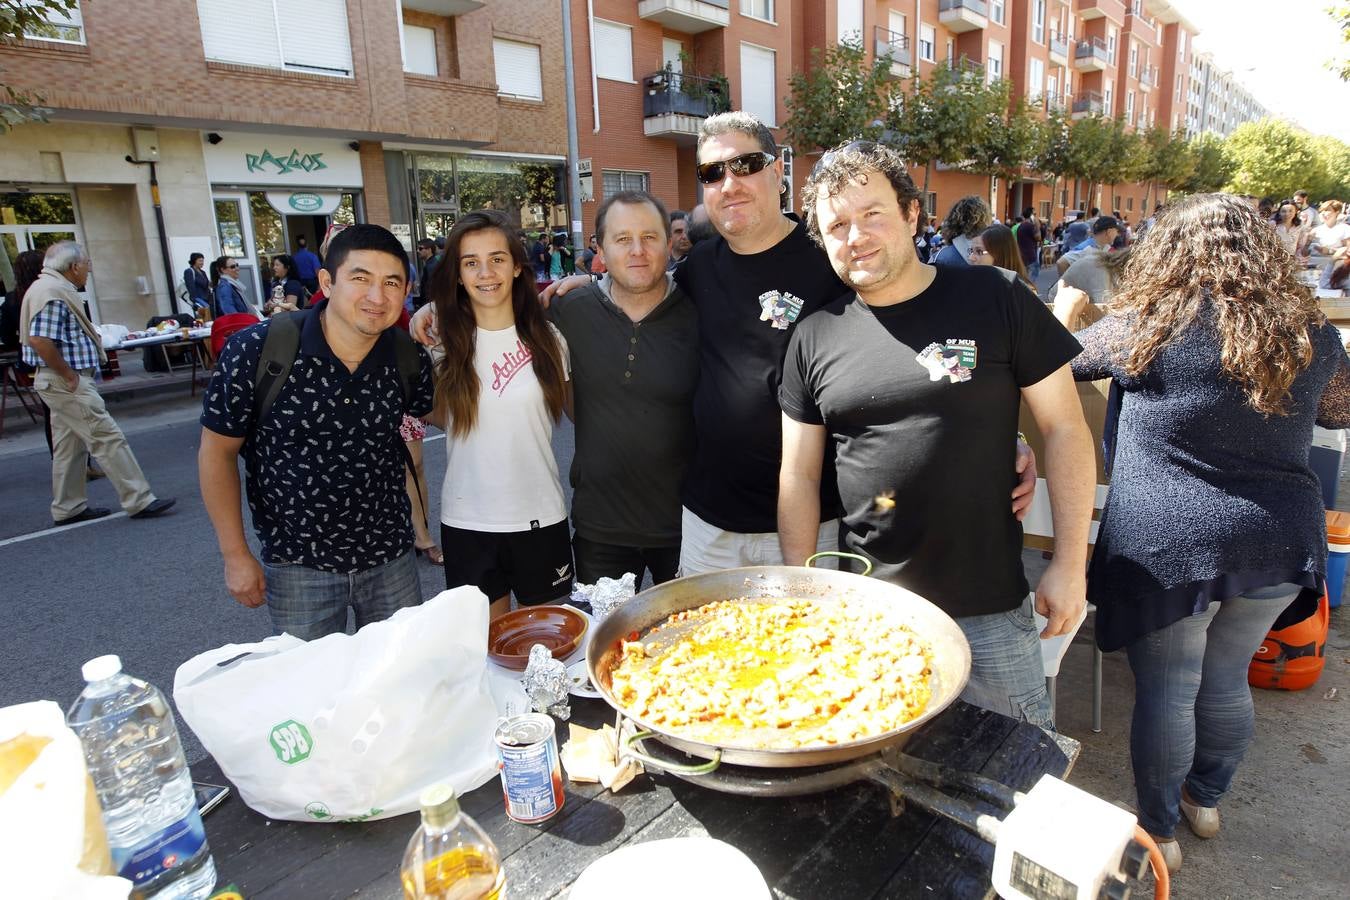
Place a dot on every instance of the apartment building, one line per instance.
(1218, 103)
(265, 120)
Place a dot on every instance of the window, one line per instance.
(1111, 45)
(996, 11)
(1177, 94)
(1134, 60)
(1052, 87)
(419, 50)
(1129, 204)
(1106, 97)
(759, 91)
(308, 37)
(1181, 45)
(1043, 210)
(617, 182)
(951, 52)
(994, 66)
(1129, 107)
(1038, 21)
(899, 25)
(1138, 7)
(613, 51)
(927, 43)
(1063, 199)
(850, 20)
(517, 67)
(762, 9)
(64, 26)
(1037, 86)
(930, 207)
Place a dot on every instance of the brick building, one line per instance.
(266, 120)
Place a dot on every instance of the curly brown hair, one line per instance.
(1215, 249)
(854, 161)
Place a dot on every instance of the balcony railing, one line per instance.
(1149, 78)
(979, 7)
(671, 93)
(963, 15)
(1059, 47)
(689, 16)
(1088, 103)
(894, 47)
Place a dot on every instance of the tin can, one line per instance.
(531, 775)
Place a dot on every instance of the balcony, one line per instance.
(894, 47)
(444, 7)
(1096, 9)
(1059, 51)
(1148, 79)
(689, 16)
(1091, 55)
(1088, 103)
(1056, 101)
(963, 15)
(675, 105)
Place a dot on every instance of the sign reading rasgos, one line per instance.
(285, 161)
(282, 163)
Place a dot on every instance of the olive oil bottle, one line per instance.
(449, 856)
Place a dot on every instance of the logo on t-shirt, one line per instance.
(779, 308)
(954, 360)
(510, 364)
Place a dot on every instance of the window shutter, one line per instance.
(517, 68)
(314, 35)
(758, 89)
(419, 50)
(226, 40)
(613, 51)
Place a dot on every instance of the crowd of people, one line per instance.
(748, 388)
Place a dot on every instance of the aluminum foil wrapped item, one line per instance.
(606, 595)
(545, 683)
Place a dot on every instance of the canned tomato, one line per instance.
(531, 776)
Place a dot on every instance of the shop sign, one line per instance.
(284, 163)
(304, 203)
(295, 162)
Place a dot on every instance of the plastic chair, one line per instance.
(1038, 531)
(224, 326)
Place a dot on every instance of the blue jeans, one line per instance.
(1193, 717)
(1006, 671)
(309, 603)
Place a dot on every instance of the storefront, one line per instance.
(269, 190)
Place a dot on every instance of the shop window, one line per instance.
(435, 180)
(517, 67)
(529, 193)
(63, 25)
(269, 233)
(302, 37)
(230, 228)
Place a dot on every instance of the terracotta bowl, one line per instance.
(559, 628)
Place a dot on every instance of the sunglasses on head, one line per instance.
(740, 166)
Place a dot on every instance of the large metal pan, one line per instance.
(951, 653)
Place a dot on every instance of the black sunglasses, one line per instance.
(740, 166)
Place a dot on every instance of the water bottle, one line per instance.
(144, 787)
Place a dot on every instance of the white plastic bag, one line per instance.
(52, 843)
(351, 727)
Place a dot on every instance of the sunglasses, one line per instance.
(235, 266)
(740, 166)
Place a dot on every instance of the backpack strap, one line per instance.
(409, 362)
(279, 350)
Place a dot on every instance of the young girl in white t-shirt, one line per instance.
(501, 386)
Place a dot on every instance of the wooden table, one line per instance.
(843, 843)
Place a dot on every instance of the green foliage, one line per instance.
(839, 97)
(17, 19)
(1340, 14)
(1270, 158)
(1213, 167)
(942, 119)
(1011, 135)
(1332, 178)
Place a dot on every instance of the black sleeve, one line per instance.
(795, 394)
(1098, 357)
(1041, 344)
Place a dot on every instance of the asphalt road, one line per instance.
(150, 591)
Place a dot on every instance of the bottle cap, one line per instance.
(439, 805)
(101, 667)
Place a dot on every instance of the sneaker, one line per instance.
(84, 515)
(1171, 853)
(1204, 820)
(156, 508)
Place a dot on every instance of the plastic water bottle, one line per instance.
(149, 809)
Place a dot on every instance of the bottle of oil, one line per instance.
(449, 856)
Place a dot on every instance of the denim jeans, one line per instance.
(1006, 671)
(309, 603)
(1193, 717)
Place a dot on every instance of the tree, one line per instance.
(1091, 143)
(1055, 157)
(840, 97)
(1165, 159)
(939, 120)
(1270, 158)
(1333, 168)
(20, 18)
(1212, 167)
(1340, 14)
(1011, 137)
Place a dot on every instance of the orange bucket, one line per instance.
(1291, 659)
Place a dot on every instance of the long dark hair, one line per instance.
(27, 268)
(216, 267)
(1003, 252)
(289, 262)
(456, 381)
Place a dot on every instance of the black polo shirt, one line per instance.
(324, 472)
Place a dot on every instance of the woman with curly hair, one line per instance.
(1214, 523)
(967, 218)
(501, 385)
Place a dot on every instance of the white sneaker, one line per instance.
(1204, 820)
(1171, 853)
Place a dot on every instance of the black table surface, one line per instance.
(842, 843)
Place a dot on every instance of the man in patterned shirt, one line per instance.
(324, 465)
(60, 341)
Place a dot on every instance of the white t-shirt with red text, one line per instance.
(502, 477)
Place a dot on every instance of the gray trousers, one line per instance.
(80, 420)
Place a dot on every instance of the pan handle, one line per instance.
(661, 765)
(867, 563)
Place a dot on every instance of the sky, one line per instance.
(1286, 46)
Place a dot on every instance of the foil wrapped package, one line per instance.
(606, 595)
(545, 682)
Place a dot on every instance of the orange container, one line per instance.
(1291, 659)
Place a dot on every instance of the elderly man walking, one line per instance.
(62, 344)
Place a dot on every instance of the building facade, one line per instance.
(1218, 103)
(268, 121)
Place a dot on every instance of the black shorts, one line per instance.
(535, 565)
